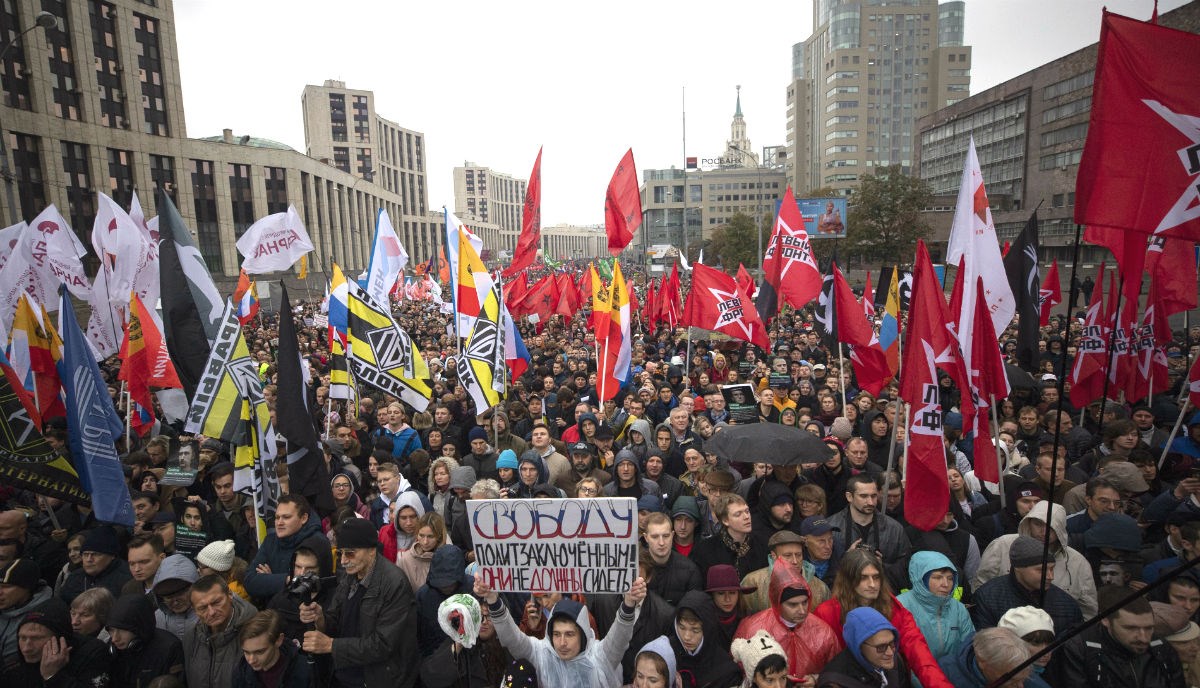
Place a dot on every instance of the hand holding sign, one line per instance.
(483, 590)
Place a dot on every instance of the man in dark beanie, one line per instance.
(52, 654)
(21, 591)
(101, 566)
(368, 626)
(1020, 588)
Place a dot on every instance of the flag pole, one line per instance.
(1000, 463)
(891, 464)
(1174, 431)
(896, 422)
(128, 416)
(842, 375)
(1110, 358)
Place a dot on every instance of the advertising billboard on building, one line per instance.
(824, 218)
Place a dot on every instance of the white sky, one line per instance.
(491, 81)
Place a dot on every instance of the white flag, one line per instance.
(18, 276)
(128, 256)
(104, 323)
(274, 243)
(56, 255)
(388, 258)
(9, 236)
(973, 240)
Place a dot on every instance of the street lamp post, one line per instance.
(758, 207)
(43, 20)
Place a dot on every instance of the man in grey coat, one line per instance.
(210, 647)
(369, 626)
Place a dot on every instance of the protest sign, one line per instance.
(556, 545)
(183, 463)
(739, 399)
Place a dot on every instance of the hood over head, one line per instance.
(319, 546)
(784, 576)
(662, 647)
(447, 567)
(920, 566)
(1114, 531)
(177, 567)
(862, 623)
(626, 455)
(702, 605)
(1058, 520)
(462, 477)
(577, 614)
(642, 426)
(133, 612)
(410, 499)
(532, 456)
(446, 461)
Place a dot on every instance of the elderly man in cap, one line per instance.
(1021, 588)
(21, 591)
(52, 654)
(367, 629)
(583, 465)
(101, 567)
(786, 545)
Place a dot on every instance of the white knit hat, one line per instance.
(217, 556)
(750, 651)
(1026, 620)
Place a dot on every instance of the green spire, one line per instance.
(738, 111)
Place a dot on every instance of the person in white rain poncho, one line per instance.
(569, 655)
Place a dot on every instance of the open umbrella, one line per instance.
(1019, 378)
(778, 445)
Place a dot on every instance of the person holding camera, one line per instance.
(367, 627)
(311, 580)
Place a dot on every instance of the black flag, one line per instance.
(1021, 266)
(307, 473)
(826, 314)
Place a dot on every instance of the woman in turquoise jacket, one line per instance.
(943, 620)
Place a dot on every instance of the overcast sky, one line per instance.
(491, 81)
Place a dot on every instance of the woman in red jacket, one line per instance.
(860, 582)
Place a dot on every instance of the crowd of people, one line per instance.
(750, 573)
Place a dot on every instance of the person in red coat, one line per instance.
(808, 642)
(861, 582)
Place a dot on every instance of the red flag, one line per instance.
(1049, 293)
(514, 294)
(531, 222)
(1087, 375)
(145, 362)
(715, 302)
(789, 265)
(1150, 371)
(649, 310)
(542, 299)
(989, 383)
(634, 306)
(1171, 264)
(1120, 319)
(870, 365)
(927, 343)
(746, 282)
(868, 299)
(622, 205)
(1128, 249)
(568, 298)
(669, 297)
(1137, 172)
(1194, 384)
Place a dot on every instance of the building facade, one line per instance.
(574, 242)
(1029, 134)
(860, 82)
(94, 104)
(491, 202)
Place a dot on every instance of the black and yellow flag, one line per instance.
(482, 369)
(382, 355)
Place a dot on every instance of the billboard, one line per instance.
(824, 218)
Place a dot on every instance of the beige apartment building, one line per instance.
(491, 203)
(94, 102)
(860, 82)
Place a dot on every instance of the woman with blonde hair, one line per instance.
(810, 501)
(414, 561)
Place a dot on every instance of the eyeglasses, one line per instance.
(587, 491)
(882, 648)
(1104, 501)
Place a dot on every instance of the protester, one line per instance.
(268, 659)
(210, 646)
(1121, 650)
(52, 654)
(871, 658)
(991, 654)
(140, 651)
(943, 620)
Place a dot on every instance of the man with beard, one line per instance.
(861, 525)
(583, 466)
(1121, 651)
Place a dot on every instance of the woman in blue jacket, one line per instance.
(943, 620)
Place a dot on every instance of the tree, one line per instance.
(885, 215)
(735, 242)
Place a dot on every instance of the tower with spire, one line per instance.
(738, 150)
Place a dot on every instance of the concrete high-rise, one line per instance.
(491, 203)
(860, 82)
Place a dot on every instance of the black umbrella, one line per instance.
(778, 445)
(1018, 378)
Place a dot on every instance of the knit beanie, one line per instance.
(1026, 551)
(841, 428)
(102, 540)
(477, 433)
(217, 556)
(750, 652)
(508, 459)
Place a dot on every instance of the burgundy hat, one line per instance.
(724, 577)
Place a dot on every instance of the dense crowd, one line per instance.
(750, 573)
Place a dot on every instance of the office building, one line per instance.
(94, 103)
(491, 202)
(1029, 134)
(860, 82)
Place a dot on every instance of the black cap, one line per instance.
(583, 448)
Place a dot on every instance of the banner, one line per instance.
(274, 243)
(739, 399)
(556, 545)
(382, 355)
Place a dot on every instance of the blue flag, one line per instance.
(92, 424)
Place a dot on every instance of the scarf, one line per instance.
(740, 549)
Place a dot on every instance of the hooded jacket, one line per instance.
(661, 646)
(387, 534)
(760, 580)
(810, 644)
(710, 666)
(763, 525)
(296, 672)
(648, 486)
(1072, 573)
(850, 669)
(911, 641)
(598, 664)
(175, 567)
(277, 553)
(640, 449)
(10, 619)
(447, 570)
(209, 658)
(574, 433)
(522, 490)
(154, 652)
(944, 620)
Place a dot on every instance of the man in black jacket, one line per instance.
(1121, 651)
(52, 654)
(672, 574)
(140, 652)
(368, 627)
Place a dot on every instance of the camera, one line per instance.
(307, 587)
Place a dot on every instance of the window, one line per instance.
(1071, 133)
(341, 158)
(120, 176)
(15, 69)
(64, 86)
(240, 198)
(1065, 159)
(81, 199)
(154, 107)
(1067, 85)
(337, 116)
(208, 233)
(1065, 110)
(108, 69)
(162, 174)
